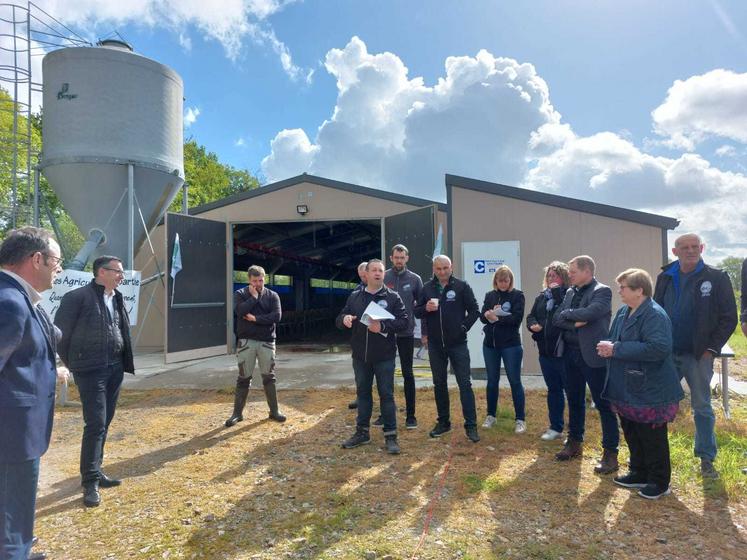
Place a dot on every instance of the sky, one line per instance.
(637, 104)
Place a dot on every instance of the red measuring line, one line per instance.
(434, 498)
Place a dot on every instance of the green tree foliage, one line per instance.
(733, 267)
(208, 178)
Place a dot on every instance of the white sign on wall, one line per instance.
(480, 259)
(69, 280)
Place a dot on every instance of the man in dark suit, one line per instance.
(30, 261)
(96, 347)
(584, 317)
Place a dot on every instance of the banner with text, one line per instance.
(69, 280)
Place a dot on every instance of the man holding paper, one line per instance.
(374, 315)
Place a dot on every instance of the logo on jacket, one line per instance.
(506, 306)
(450, 295)
(479, 267)
(705, 288)
(382, 303)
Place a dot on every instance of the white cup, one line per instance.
(434, 301)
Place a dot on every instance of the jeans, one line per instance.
(18, 483)
(405, 347)
(649, 451)
(99, 391)
(459, 357)
(512, 364)
(698, 373)
(364, 375)
(577, 375)
(552, 371)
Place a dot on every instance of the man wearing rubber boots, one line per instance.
(256, 314)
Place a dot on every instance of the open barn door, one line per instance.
(196, 311)
(416, 231)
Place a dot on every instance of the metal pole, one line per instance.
(36, 195)
(130, 216)
(185, 199)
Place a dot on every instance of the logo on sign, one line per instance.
(479, 267)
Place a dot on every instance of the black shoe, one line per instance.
(106, 482)
(91, 496)
(439, 429)
(360, 437)
(653, 491)
(472, 434)
(630, 480)
(379, 422)
(277, 417)
(392, 447)
(411, 423)
(233, 420)
(353, 405)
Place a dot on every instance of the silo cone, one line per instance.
(105, 108)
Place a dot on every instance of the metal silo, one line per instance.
(113, 142)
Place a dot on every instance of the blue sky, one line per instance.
(570, 111)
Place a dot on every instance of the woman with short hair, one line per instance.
(642, 383)
(502, 313)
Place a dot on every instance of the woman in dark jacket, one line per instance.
(548, 340)
(502, 314)
(642, 383)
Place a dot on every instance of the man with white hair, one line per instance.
(448, 307)
(699, 300)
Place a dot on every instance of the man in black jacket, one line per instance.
(699, 300)
(96, 347)
(584, 317)
(448, 307)
(256, 313)
(374, 347)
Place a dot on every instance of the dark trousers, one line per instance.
(18, 482)
(383, 372)
(405, 348)
(649, 450)
(552, 371)
(99, 391)
(577, 375)
(459, 357)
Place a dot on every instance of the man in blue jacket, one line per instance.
(30, 261)
(699, 300)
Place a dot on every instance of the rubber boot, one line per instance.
(239, 400)
(271, 395)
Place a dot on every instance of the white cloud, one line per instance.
(230, 22)
(492, 118)
(190, 116)
(239, 142)
(726, 151)
(711, 104)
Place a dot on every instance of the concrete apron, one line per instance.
(297, 368)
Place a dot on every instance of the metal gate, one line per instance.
(196, 316)
(416, 230)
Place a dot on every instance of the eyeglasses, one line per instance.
(115, 270)
(57, 261)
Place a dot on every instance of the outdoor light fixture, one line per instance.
(302, 209)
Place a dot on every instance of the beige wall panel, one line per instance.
(548, 233)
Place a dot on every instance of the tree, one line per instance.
(733, 267)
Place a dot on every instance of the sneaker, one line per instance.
(392, 447)
(550, 435)
(707, 470)
(472, 434)
(440, 429)
(360, 437)
(379, 422)
(653, 491)
(411, 423)
(489, 421)
(521, 427)
(631, 480)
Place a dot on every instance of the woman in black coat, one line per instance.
(548, 340)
